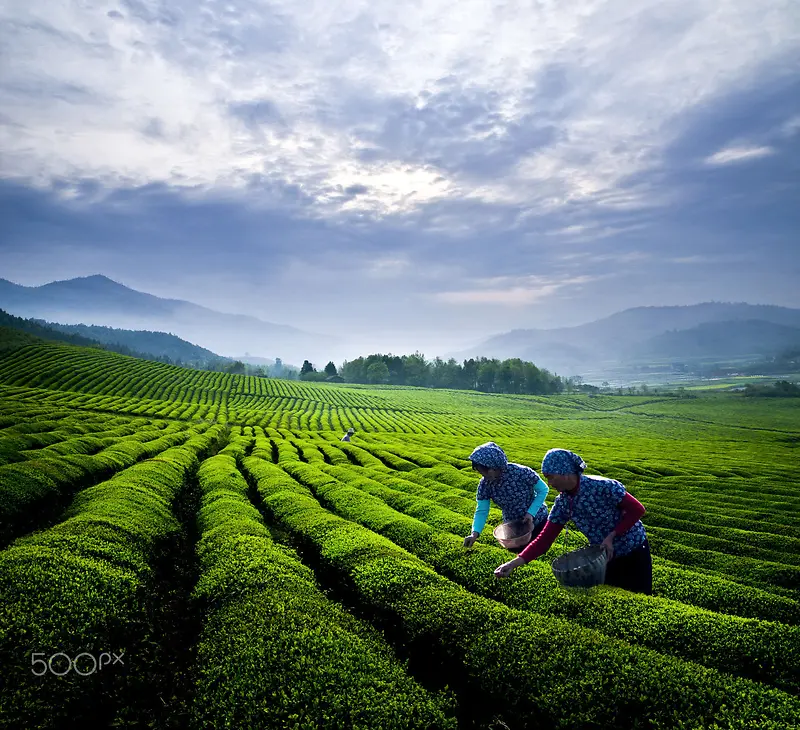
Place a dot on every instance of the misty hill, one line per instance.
(19, 332)
(253, 360)
(159, 344)
(99, 300)
(623, 337)
(722, 340)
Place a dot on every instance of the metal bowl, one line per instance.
(514, 534)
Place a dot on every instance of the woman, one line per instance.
(515, 488)
(604, 512)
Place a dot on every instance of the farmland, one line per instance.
(181, 548)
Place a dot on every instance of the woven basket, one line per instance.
(581, 568)
(515, 534)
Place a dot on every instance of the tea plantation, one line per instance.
(182, 548)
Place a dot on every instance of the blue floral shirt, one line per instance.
(514, 492)
(595, 512)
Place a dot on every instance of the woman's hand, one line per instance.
(470, 539)
(608, 544)
(504, 570)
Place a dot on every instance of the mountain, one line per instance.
(159, 344)
(145, 345)
(18, 332)
(100, 301)
(627, 336)
(721, 340)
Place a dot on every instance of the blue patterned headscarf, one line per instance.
(489, 455)
(561, 461)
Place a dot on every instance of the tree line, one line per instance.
(779, 389)
(487, 375)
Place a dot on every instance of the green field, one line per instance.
(242, 568)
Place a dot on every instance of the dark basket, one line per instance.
(581, 568)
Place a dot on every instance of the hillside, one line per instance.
(750, 338)
(165, 347)
(627, 336)
(19, 330)
(13, 339)
(158, 344)
(99, 300)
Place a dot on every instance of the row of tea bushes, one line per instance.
(83, 588)
(274, 650)
(33, 491)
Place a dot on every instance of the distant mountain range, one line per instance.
(147, 345)
(97, 307)
(641, 334)
(98, 300)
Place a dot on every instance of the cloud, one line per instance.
(538, 106)
(402, 165)
(511, 291)
(513, 296)
(738, 154)
(387, 268)
(790, 127)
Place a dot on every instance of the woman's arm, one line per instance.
(538, 547)
(543, 542)
(481, 514)
(540, 492)
(632, 511)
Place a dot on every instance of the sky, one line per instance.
(405, 175)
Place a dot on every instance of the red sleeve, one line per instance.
(632, 511)
(542, 543)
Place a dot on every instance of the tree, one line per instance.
(377, 373)
(396, 367)
(330, 369)
(438, 373)
(504, 378)
(486, 373)
(469, 374)
(306, 368)
(354, 371)
(415, 368)
(236, 367)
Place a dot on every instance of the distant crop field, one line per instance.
(183, 548)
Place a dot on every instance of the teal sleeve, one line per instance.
(481, 513)
(540, 492)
